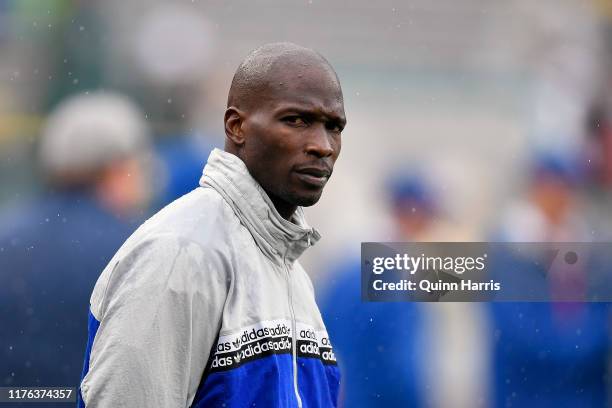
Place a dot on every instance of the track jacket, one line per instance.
(205, 305)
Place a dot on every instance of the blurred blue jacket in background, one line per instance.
(550, 354)
(51, 253)
(377, 344)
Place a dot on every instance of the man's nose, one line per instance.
(319, 143)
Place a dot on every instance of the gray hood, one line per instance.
(277, 238)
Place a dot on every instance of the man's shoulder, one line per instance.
(177, 245)
(201, 216)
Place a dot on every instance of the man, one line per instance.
(206, 304)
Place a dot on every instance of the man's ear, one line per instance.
(234, 119)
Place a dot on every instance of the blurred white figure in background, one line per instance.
(100, 139)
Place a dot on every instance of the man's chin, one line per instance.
(306, 200)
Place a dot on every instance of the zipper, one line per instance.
(293, 335)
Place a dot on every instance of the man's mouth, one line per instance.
(315, 176)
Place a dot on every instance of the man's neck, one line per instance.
(285, 209)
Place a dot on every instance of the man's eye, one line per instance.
(295, 120)
(335, 128)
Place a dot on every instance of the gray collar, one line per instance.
(277, 238)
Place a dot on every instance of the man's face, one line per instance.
(293, 137)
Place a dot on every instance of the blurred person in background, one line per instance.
(172, 52)
(551, 209)
(95, 160)
(549, 354)
(378, 344)
(397, 354)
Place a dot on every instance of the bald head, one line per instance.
(272, 67)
